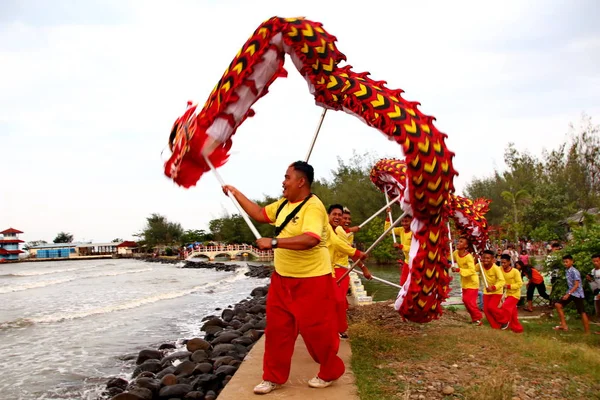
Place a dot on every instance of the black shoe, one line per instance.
(505, 326)
(344, 335)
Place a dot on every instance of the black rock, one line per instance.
(261, 325)
(212, 329)
(199, 356)
(146, 374)
(178, 355)
(225, 370)
(149, 383)
(111, 392)
(204, 368)
(179, 390)
(259, 308)
(214, 322)
(167, 346)
(222, 349)
(239, 312)
(235, 324)
(244, 341)
(246, 327)
(194, 395)
(224, 360)
(148, 365)
(117, 382)
(186, 368)
(141, 393)
(210, 395)
(227, 315)
(205, 381)
(148, 354)
(164, 372)
(197, 344)
(226, 337)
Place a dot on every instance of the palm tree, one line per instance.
(513, 199)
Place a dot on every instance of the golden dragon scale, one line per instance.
(430, 174)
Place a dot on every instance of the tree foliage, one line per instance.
(160, 232)
(63, 237)
(585, 243)
(534, 195)
(349, 185)
(195, 235)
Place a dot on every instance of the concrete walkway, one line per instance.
(303, 368)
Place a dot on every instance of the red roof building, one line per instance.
(9, 245)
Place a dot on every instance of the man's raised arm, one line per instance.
(252, 209)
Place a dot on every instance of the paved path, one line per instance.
(303, 368)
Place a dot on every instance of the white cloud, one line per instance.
(88, 97)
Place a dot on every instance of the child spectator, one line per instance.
(574, 294)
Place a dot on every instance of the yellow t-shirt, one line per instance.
(339, 249)
(404, 238)
(513, 278)
(347, 236)
(311, 220)
(468, 272)
(494, 277)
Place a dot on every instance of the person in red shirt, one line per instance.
(535, 280)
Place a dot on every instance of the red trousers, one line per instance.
(511, 314)
(305, 306)
(403, 271)
(494, 315)
(469, 297)
(341, 302)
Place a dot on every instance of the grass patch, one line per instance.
(392, 359)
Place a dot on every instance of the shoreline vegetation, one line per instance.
(199, 367)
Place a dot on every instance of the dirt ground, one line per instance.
(449, 358)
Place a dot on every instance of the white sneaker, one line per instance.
(265, 387)
(319, 383)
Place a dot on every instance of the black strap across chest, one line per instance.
(290, 216)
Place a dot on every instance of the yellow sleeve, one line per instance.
(270, 211)
(518, 282)
(468, 267)
(313, 221)
(500, 282)
(339, 245)
(397, 231)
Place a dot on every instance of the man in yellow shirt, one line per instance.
(404, 235)
(345, 231)
(469, 279)
(512, 277)
(340, 250)
(301, 296)
(492, 293)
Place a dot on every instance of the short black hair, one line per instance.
(465, 238)
(596, 255)
(487, 251)
(555, 245)
(306, 169)
(335, 207)
(505, 257)
(567, 257)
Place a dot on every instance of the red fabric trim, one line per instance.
(313, 235)
(11, 241)
(266, 216)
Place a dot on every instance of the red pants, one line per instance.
(469, 297)
(305, 306)
(511, 314)
(341, 302)
(403, 271)
(494, 315)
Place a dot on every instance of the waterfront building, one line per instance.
(9, 245)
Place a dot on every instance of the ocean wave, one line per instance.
(37, 285)
(37, 273)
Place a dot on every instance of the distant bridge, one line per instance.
(232, 251)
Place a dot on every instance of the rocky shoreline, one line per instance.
(205, 365)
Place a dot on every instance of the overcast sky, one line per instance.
(89, 91)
